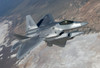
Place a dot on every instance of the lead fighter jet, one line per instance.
(45, 30)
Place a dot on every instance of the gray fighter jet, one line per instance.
(45, 30)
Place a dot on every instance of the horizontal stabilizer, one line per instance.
(15, 46)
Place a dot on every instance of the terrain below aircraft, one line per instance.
(45, 30)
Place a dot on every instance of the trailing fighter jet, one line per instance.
(45, 30)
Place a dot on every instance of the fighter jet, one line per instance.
(47, 30)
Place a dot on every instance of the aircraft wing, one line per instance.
(28, 45)
(48, 19)
(59, 42)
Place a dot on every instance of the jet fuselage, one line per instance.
(54, 29)
(46, 30)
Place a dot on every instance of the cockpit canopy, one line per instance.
(66, 22)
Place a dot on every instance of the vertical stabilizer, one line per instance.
(30, 24)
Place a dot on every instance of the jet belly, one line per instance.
(57, 37)
(65, 35)
(70, 26)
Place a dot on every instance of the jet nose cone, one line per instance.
(78, 24)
